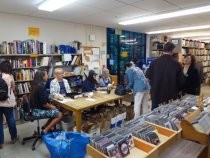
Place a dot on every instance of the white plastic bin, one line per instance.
(67, 123)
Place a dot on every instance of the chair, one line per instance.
(29, 117)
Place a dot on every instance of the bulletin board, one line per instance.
(91, 57)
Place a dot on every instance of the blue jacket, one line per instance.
(136, 80)
(89, 86)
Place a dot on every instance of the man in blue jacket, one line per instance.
(137, 81)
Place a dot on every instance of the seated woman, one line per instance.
(90, 84)
(59, 85)
(40, 102)
(104, 80)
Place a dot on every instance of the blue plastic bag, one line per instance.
(66, 144)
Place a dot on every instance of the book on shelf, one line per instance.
(24, 75)
(23, 88)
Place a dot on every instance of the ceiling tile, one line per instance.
(128, 1)
(102, 4)
(130, 11)
(155, 6)
(187, 3)
(23, 7)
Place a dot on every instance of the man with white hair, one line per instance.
(59, 85)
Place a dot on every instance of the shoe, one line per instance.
(43, 133)
(1, 146)
(15, 140)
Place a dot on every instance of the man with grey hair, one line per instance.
(166, 77)
(59, 85)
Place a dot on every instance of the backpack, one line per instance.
(3, 89)
(120, 90)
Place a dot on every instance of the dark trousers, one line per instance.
(154, 104)
(11, 122)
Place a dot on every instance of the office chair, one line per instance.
(29, 117)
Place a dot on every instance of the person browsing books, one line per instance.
(59, 85)
(138, 83)
(166, 77)
(7, 106)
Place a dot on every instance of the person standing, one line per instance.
(137, 81)
(7, 106)
(193, 83)
(166, 77)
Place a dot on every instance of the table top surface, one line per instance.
(83, 103)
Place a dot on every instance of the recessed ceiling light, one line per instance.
(180, 29)
(166, 15)
(51, 5)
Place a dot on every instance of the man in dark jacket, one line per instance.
(166, 77)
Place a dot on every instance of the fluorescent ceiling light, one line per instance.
(166, 15)
(180, 29)
(190, 35)
(51, 5)
(202, 38)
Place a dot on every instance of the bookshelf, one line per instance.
(200, 50)
(29, 55)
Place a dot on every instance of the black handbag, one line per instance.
(120, 90)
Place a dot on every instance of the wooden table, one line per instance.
(81, 104)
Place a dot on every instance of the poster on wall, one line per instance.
(33, 31)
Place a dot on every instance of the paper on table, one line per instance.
(66, 100)
(90, 99)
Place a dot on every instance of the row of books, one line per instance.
(170, 115)
(143, 130)
(23, 88)
(194, 51)
(114, 143)
(24, 63)
(191, 43)
(202, 58)
(25, 47)
(24, 75)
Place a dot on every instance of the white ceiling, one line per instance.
(108, 13)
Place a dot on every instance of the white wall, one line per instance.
(15, 27)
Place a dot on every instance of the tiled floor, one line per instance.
(24, 151)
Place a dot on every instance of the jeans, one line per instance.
(141, 104)
(11, 122)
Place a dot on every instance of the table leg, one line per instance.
(78, 120)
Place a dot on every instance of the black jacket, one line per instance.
(166, 79)
(192, 84)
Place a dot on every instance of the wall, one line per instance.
(15, 27)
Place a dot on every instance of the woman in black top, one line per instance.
(192, 83)
(41, 104)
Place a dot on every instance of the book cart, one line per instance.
(168, 138)
(142, 148)
(194, 133)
